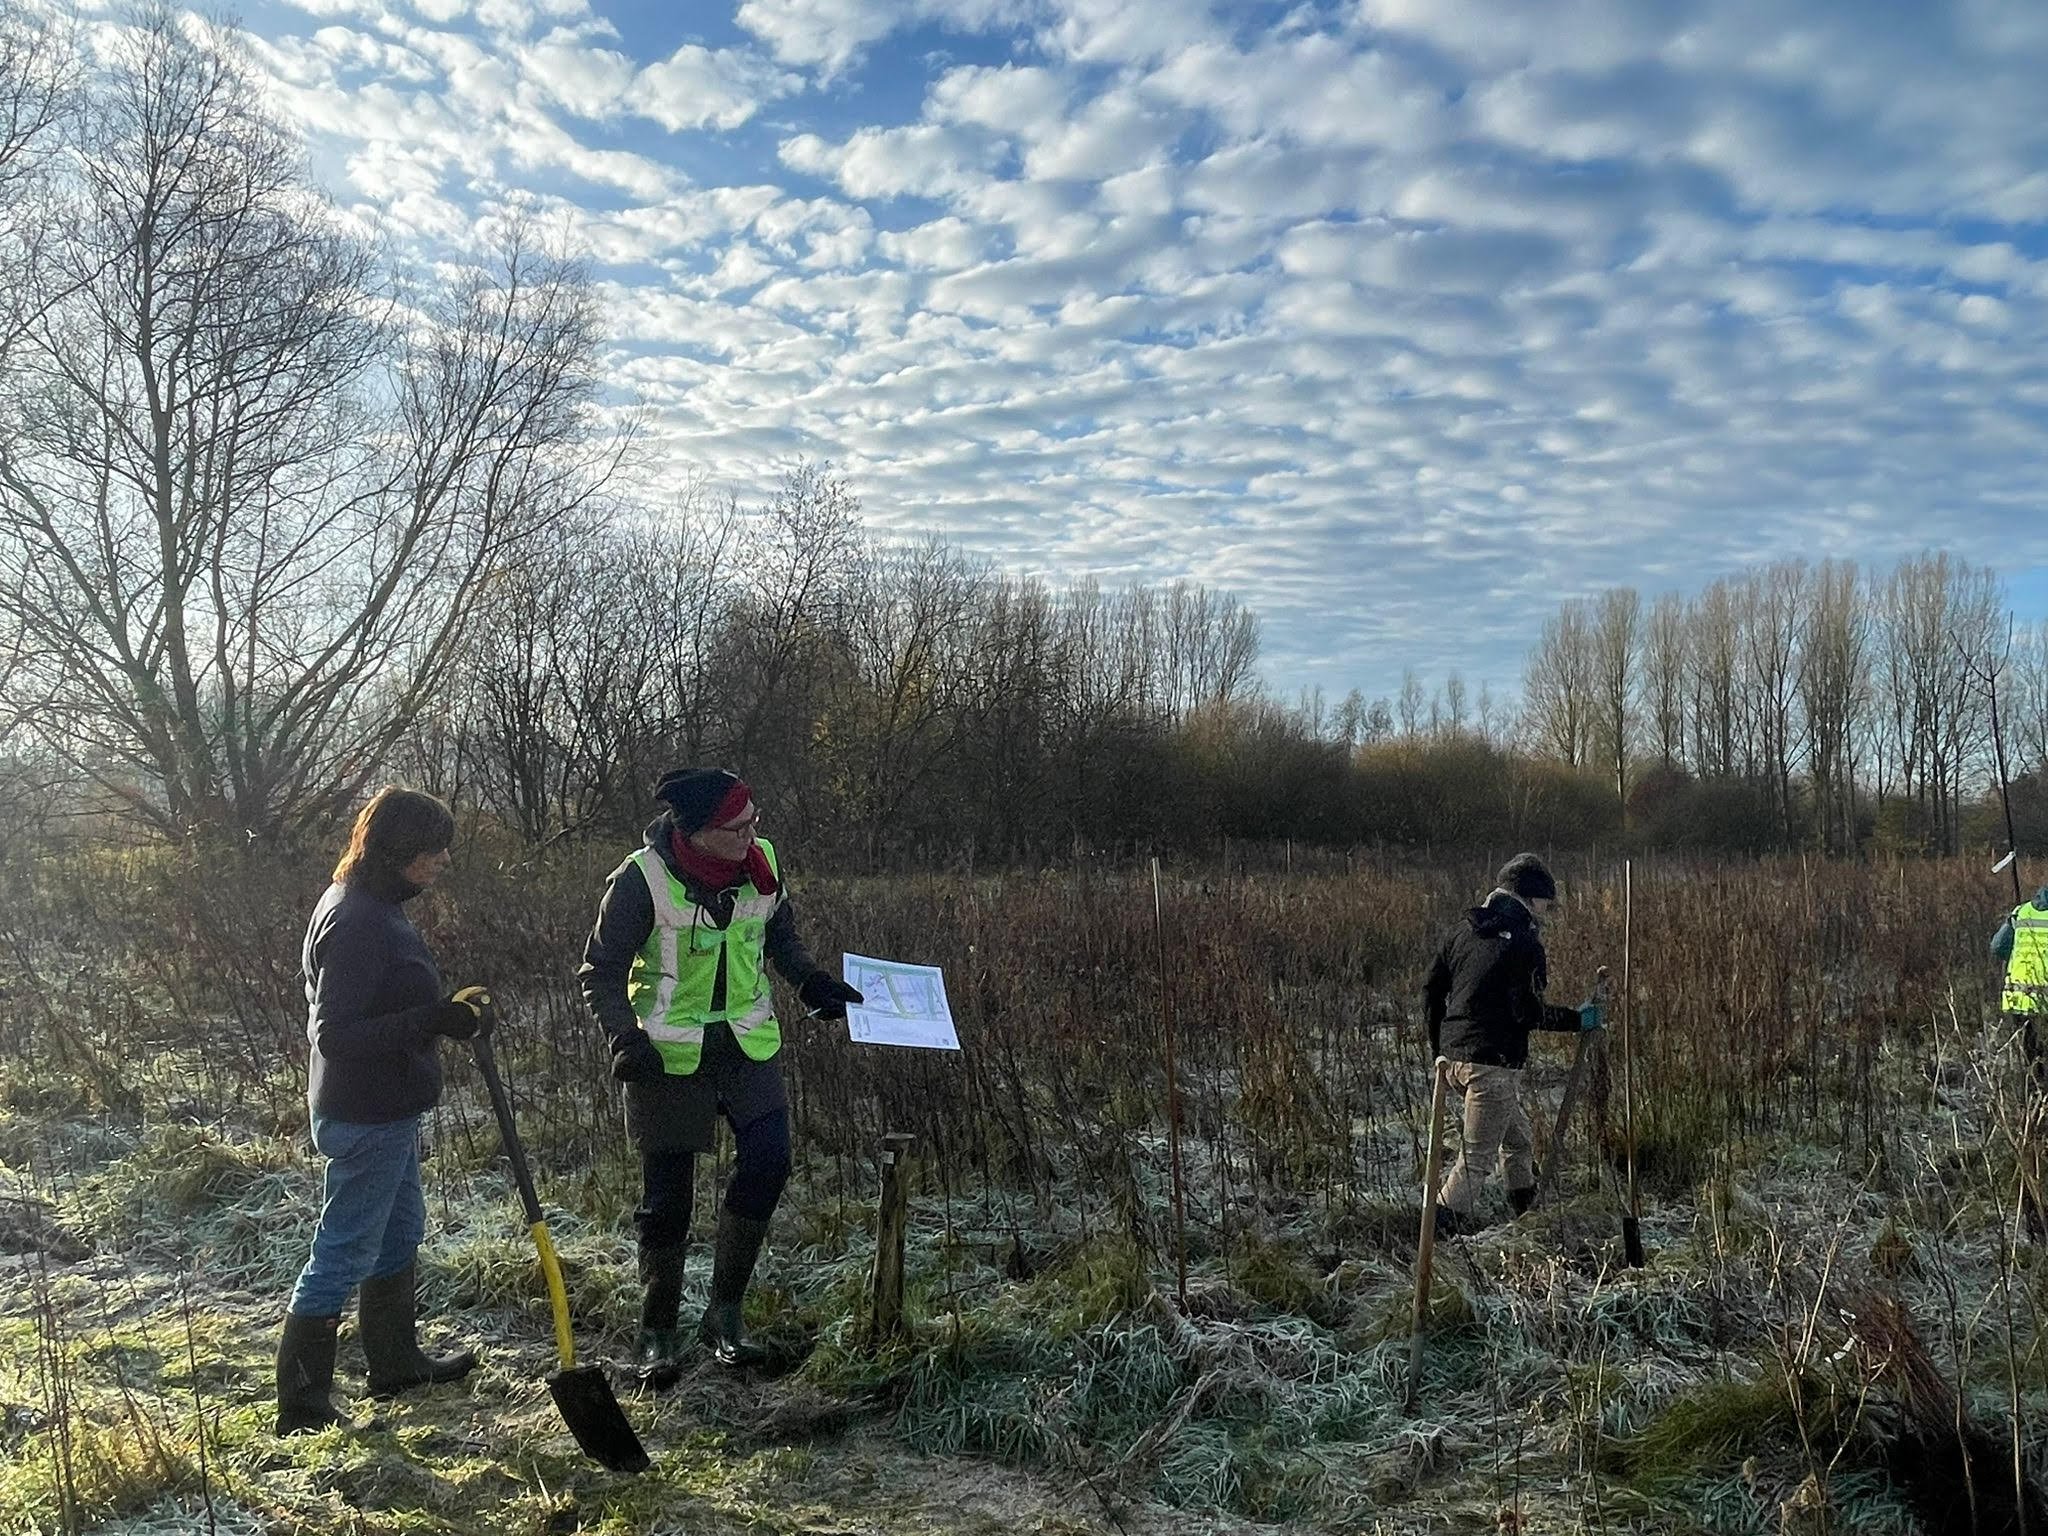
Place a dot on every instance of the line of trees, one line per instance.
(1796, 705)
(277, 521)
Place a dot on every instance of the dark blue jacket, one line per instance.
(371, 987)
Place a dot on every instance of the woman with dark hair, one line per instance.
(674, 972)
(377, 1013)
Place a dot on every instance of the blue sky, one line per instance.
(1402, 320)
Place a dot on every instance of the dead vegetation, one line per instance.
(1840, 1319)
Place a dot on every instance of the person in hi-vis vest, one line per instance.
(676, 973)
(2022, 943)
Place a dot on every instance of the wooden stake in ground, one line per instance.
(1632, 1223)
(1425, 1247)
(1180, 1218)
(892, 1221)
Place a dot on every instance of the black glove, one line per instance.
(464, 1014)
(826, 995)
(635, 1058)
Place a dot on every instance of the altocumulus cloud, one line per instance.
(1401, 319)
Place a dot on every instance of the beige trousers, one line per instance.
(1495, 1127)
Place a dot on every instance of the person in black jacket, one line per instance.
(1483, 997)
(675, 973)
(376, 1015)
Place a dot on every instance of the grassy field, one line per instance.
(1839, 1328)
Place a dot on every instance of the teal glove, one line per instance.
(1592, 1016)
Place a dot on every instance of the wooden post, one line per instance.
(1425, 1248)
(1632, 1222)
(1171, 1049)
(892, 1220)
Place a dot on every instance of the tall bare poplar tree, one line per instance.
(1617, 645)
(2027, 703)
(1713, 662)
(1834, 681)
(1935, 614)
(1664, 640)
(1559, 690)
(1772, 602)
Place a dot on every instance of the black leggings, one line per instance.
(760, 1170)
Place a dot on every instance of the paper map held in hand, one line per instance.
(906, 1005)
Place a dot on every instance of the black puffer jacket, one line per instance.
(1485, 991)
(626, 917)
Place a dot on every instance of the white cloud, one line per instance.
(1313, 89)
(925, 159)
(1020, 101)
(510, 17)
(586, 81)
(1128, 31)
(1114, 134)
(944, 245)
(1395, 309)
(695, 87)
(369, 10)
(830, 34)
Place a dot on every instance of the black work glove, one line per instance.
(464, 1014)
(635, 1058)
(826, 995)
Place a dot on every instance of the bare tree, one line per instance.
(1493, 715)
(1211, 645)
(1454, 704)
(1010, 725)
(1617, 644)
(789, 597)
(1935, 612)
(38, 103)
(1713, 659)
(560, 685)
(1773, 602)
(244, 524)
(1350, 720)
(1411, 702)
(1664, 677)
(1834, 665)
(2027, 727)
(1559, 690)
(899, 714)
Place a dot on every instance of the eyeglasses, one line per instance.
(742, 828)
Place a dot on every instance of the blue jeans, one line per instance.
(372, 1211)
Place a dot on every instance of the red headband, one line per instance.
(728, 809)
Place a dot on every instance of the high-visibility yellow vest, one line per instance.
(672, 977)
(2026, 969)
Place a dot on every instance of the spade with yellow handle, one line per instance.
(580, 1391)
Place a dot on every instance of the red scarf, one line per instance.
(716, 874)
